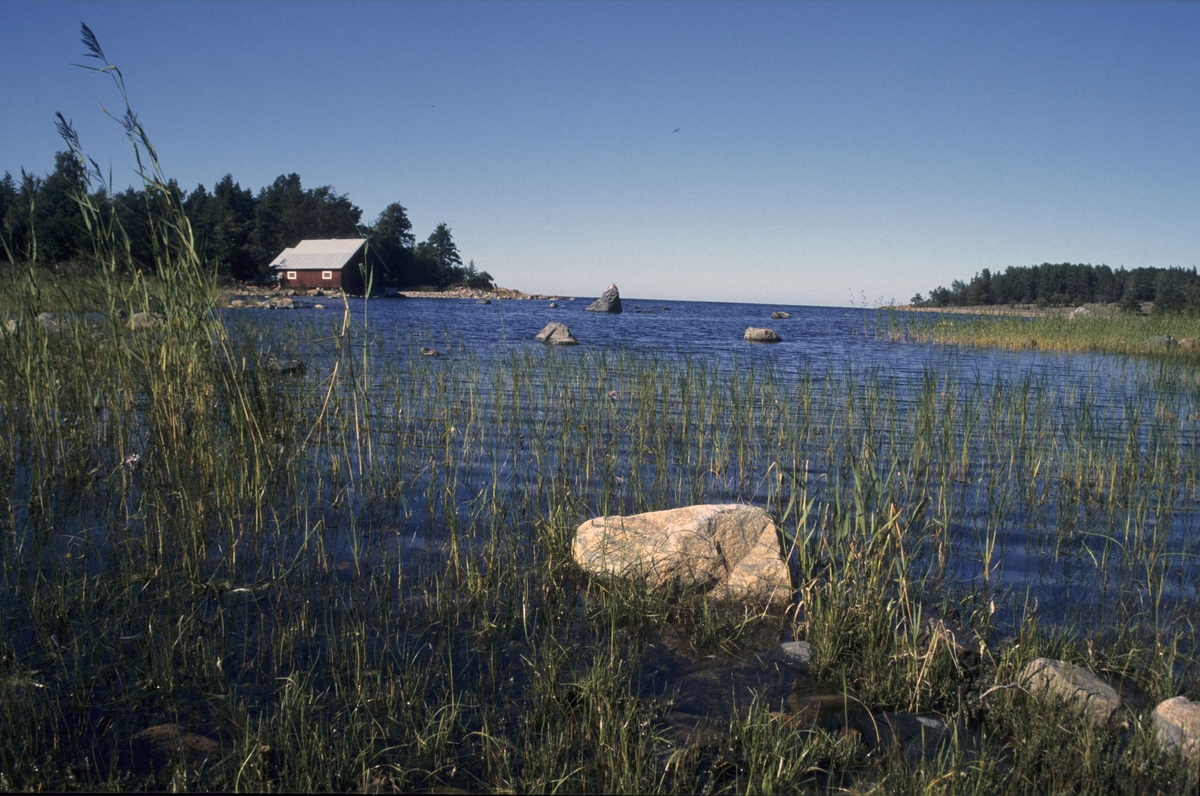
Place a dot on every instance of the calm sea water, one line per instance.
(1029, 564)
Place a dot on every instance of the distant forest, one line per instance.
(1071, 285)
(238, 232)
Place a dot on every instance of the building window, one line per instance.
(291, 275)
(327, 275)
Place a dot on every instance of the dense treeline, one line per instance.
(1070, 284)
(238, 232)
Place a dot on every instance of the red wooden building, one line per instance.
(337, 263)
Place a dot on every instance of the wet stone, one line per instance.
(780, 315)
(796, 655)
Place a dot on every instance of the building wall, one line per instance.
(309, 279)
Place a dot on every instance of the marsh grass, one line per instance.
(1131, 335)
(360, 579)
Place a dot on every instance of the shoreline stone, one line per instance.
(1176, 725)
(1073, 685)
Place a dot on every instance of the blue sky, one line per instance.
(826, 153)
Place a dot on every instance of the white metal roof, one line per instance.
(326, 255)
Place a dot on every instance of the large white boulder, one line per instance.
(732, 548)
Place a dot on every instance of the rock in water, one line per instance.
(731, 547)
(1177, 725)
(609, 301)
(1074, 685)
(779, 314)
(556, 333)
(756, 334)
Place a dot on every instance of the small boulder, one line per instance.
(430, 352)
(1177, 725)
(49, 321)
(237, 303)
(553, 305)
(284, 303)
(318, 306)
(10, 327)
(796, 655)
(1074, 685)
(609, 301)
(556, 333)
(1080, 312)
(757, 334)
(484, 301)
(731, 547)
(779, 315)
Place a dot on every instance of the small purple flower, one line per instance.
(612, 394)
(134, 462)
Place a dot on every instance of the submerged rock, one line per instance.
(430, 352)
(49, 321)
(553, 305)
(609, 301)
(1073, 685)
(155, 747)
(757, 334)
(1177, 725)
(484, 301)
(732, 548)
(284, 367)
(779, 315)
(556, 333)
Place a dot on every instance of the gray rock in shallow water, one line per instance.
(49, 321)
(731, 547)
(1177, 725)
(284, 367)
(430, 352)
(1074, 685)
(757, 334)
(779, 314)
(484, 301)
(609, 301)
(556, 333)
(796, 655)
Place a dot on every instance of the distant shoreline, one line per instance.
(1020, 310)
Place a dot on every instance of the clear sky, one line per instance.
(825, 153)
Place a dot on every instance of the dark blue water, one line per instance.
(1072, 559)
